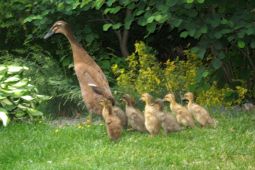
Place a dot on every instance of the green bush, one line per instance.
(18, 97)
(145, 74)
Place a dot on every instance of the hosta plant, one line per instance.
(18, 97)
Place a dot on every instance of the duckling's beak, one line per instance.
(49, 34)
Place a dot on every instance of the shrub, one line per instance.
(18, 97)
(145, 74)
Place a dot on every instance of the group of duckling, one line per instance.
(154, 116)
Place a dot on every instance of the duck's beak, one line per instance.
(49, 34)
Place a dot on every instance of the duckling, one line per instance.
(112, 122)
(122, 116)
(118, 112)
(134, 115)
(200, 114)
(183, 116)
(152, 123)
(168, 122)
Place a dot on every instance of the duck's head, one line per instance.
(169, 97)
(146, 97)
(159, 104)
(128, 99)
(105, 102)
(188, 96)
(57, 27)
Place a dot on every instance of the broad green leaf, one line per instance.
(6, 102)
(150, 19)
(3, 68)
(171, 3)
(107, 26)
(34, 112)
(98, 4)
(199, 51)
(21, 83)
(32, 18)
(189, 1)
(14, 69)
(43, 97)
(110, 2)
(200, 1)
(27, 98)
(184, 34)
(176, 22)
(205, 74)
(216, 63)
(240, 44)
(151, 27)
(12, 79)
(116, 26)
(20, 114)
(113, 10)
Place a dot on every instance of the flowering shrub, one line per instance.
(145, 74)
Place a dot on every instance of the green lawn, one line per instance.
(42, 146)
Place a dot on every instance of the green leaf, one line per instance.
(216, 63)
(2, 69)
(171, 3)
(184, 34)
(199, 51)
(43, 97)
(112, 10)
(116, 26)
(27, 98)
(34, 112)
(107, 26)
(205, 74)
(176, 22)
(12, 79)
(21, 83)
(189, 1)
(151, 27)
(14, 69)
(150, 19)
(200, 1)
(240, 44)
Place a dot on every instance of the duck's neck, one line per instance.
(190, 103)
(172, 104)
(148, 102)
(77, 49)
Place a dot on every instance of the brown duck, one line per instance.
(112, 122)
(93, 83)
(152, 122)
(134, 115)
(183, 116)
(200, 114)
(167, 120)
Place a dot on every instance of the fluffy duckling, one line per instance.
(112, 122)
(183, 116)
(168, 122)
(200, 114)
(152, 123)
(121, 114)
(134, 115)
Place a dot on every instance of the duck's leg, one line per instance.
(89, 118)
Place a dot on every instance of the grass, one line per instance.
(43, 146)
